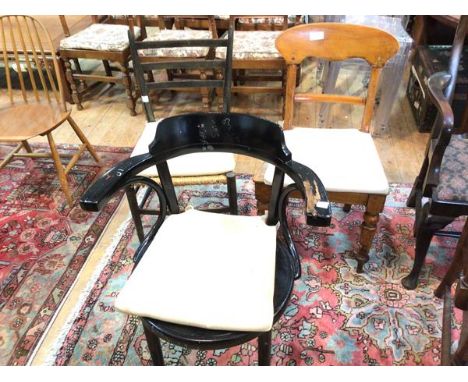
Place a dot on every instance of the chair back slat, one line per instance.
(335, 42)
(143, 65)
(29, 52)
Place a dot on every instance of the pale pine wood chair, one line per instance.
(38, 107)
(345, 159)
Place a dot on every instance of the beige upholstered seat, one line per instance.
(346, 160)
(253, 45)
(104, 37)
(186, 165)
(175, 277)
(155, 34)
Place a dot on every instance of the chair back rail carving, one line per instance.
(334, 42)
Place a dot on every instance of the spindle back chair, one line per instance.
(35, 103)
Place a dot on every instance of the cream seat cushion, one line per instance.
(346, 160)
(105, 37)
(208, 163)
(220, 276)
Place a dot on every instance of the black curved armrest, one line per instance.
(112, 180)
(318, 207)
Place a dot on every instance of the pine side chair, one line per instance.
(457, 272)
(345, 159)
(440, 191)
(257, 65)
(38, 107)
(199, 168)
(206, 280)
(105, 40)
(188, 52)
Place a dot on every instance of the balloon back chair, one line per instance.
(208, 280)
(35, 104)
(353, 174)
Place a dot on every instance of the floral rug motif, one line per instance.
(335, 317)
(43, 243)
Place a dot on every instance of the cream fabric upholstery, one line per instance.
(206, 270)
(106, 37)
(346, 160)
(252, 45)
(176, 34)
(186, 165)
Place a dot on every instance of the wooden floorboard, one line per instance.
(106, 121)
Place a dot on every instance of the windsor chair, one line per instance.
(38, 107)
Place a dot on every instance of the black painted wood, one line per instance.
(218, 132)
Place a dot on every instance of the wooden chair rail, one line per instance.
(316, 97)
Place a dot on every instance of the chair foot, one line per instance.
(411, 281)
(347, 208)
(264, 349)
(232, 192)
(154, 346)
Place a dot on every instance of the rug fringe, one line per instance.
(55, 348)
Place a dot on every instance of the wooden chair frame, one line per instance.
(227, 132)
(29, 47)
(432, 215)
(122, 58)
(336, 42)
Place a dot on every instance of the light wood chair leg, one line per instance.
(374, 207)
(10, 156)
(83, 138)
(60, 170)
(26, 146)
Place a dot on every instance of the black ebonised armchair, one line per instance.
(248, 262)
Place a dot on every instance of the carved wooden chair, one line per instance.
(440, 191)
(105, 40)
(200, 168)
(241, 279)
(257, 65)
(458, 272)
(181, 45)
(353, 173)
(38, 107)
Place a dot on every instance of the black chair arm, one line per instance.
(113, 180)
(318, 207)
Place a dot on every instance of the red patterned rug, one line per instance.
(43, 243)
(336, 317)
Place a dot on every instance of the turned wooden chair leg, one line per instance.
(73, 86)
(60, 170)
(127, 82)
(154, 346)
(374, 207)
(264, 349)
(83, 138)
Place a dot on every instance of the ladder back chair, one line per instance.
(353, 173)
(195, 62)
(252, 263)
(104, 40)
(199, 168)
(38, 107)
(440, 191)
